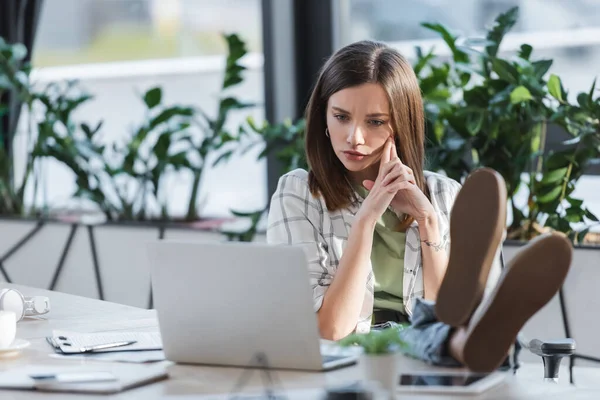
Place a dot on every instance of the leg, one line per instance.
(426, 338)
(530, 280)
(477, 225)
(528, 283)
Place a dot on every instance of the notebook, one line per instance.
(67, 342)
(126, 376)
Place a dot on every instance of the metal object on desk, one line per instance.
(13, 300)
(89, 349)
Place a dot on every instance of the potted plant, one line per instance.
(378, 358)
(487, 109)
(123, 183)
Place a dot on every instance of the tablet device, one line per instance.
(448, 382)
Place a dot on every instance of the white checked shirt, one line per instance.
(296, 217)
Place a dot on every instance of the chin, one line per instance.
(355, 166)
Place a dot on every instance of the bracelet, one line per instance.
(436, 246)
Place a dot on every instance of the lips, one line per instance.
(355, 153)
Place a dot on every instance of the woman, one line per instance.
(374, 225)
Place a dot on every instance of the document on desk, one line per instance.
(134, 357)
(124, 377)
(68, 342)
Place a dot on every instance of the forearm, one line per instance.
(435, 258)
(343, 300)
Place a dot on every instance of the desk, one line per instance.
(186, 382)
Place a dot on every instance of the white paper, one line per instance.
(126, 357)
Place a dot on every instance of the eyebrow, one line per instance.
(368, 115)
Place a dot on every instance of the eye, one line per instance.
(341, 117)
(376, 122)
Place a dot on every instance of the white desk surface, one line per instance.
(188, 382)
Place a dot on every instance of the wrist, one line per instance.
(365, 220)
(428, 221)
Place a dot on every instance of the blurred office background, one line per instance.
(118, 48)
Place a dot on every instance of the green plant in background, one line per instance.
(376, 342)
(215, 135)
(563, 168)
(487, 110)
(75, 146)
(14, 78)
(285, 141)
(123, 179)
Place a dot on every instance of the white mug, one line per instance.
(8, 328)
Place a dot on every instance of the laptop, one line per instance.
(237, 304)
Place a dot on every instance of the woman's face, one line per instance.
(359, 123)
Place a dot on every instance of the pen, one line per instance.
(72, 377)
(106, 346)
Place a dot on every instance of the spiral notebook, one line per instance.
(67, 342)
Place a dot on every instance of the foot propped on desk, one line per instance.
(528, 283)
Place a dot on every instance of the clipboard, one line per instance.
(66, 342)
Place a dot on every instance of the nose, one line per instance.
(355, 136)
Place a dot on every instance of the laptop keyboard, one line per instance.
(328, 359)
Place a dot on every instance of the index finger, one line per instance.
(394, 151)
(386, 154)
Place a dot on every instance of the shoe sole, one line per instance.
(529, 282)
(477, 224)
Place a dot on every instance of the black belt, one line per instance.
(383, 316)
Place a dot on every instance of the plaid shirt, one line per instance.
(296, 217)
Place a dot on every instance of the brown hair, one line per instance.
(358, 63)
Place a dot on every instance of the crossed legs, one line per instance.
(474, 330)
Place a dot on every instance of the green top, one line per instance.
(387, 258)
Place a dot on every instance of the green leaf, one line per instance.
(86, 130)
(153, 97)
(555, 176)
(233, 70)
(583, 100)
(574, 215)
(251, 214)
(505, 70)
(225, 156)
(519, 95)
(376, 341)
(525, 51)
(554, 87)
(591, 93)
(582, 234)
(161, 148)
(423, 60)
(590, 215)
(477, 96)
(449, 38)
(474, 122)
(574, 202)
(169, 113)
(541, 67)
(502, 25)
(550, 196)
